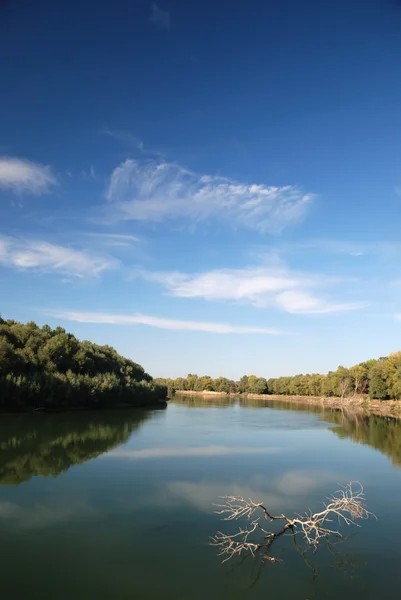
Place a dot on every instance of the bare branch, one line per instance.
(344, 507)
(230, 545)
(236, 507)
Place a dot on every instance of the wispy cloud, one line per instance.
(303, 302)
(114, 239)
(124, 136)
(133, 142)
(161, 323)
(45, 257)
(383, 250)
(23, 176)
(90, 174)
(262, 287)
(398, 316)
(160, 191)
(160, 18)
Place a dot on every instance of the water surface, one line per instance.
(119, 504)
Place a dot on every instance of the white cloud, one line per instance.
(160, 323)
(398, 316)
(25, 176)
(151, 191)
(46, 257)
(298, 301)
(261, 286)
(160, 18)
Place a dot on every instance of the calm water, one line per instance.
(119, 504)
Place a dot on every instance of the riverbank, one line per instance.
(357, 403)
(204, 394)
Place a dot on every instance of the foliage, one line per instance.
(49, 368)
(380, 379)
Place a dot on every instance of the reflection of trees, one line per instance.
(382, 433)
(50, 444)
(281, 404)
(201, 402)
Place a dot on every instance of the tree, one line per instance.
(42, 367)
(393, 367)
(360, 378)
(191, 382)
(381, 379)
(343, 382)
(221, 384)
(180, 383)
(243, 385)
(378, 388)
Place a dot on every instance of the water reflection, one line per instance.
(206, 402)
(191, 452)
(50, 444)
(381, 433)
(111, 519)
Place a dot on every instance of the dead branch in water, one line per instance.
(344, 507)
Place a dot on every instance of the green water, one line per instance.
(119, 504)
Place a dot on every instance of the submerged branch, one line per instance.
(344, 507)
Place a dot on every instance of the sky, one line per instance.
(209, 187)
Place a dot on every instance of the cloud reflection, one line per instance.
(280, 493)
(39, 516)
(190, 452)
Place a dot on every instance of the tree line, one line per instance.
(377, 378)
(41, 367)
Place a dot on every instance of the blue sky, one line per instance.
(210, 187)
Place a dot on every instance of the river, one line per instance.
(119, 504)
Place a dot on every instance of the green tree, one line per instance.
(42, 367)
(378, 388)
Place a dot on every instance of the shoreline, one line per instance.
(205, 393)
(44, 410)
(381, 408)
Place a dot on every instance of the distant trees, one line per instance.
(42, 367)
(380, 379)
(195, 383)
